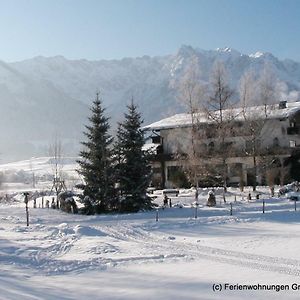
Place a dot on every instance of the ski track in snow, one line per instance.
(47, 260)
(253, 261)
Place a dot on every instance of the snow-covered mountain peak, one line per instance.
(229, 51)
(226, 49)
(257, 54)
(263, 55)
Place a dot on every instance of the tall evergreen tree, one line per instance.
(96, 160)
(132, 169)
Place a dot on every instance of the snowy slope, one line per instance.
(132, 256)
(40, 165)
(37, 174)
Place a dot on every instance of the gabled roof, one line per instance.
(255, 113)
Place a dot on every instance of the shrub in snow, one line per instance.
(211, 201)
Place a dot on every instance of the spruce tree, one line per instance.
(96, 160)
(132, 169)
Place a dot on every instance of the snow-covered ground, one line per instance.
(133, 256)
(37, 174)
(41, 165)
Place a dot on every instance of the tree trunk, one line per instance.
(255, 172)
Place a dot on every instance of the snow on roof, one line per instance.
(178, 120)
(150, 147)
(255, 112)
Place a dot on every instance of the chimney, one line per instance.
(282, 104)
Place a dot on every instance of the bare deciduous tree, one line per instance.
(57, 162)
(220, 114)
(55, 152)
(252, 124)
(284, 172)
(267, 88)
(251, 91)
(247, 90)
(191, 94)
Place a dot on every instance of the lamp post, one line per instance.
(26, 194)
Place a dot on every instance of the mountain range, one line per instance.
(45, 97)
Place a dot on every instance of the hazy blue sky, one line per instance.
(98, 29)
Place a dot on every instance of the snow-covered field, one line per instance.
(37, 174)
(133, 256)
(41, 165)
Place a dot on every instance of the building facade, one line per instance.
(265, 136)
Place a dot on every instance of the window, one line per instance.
(292, 144)
(171, 171)
(251, 145)
(276, 142)
(210, 147)
(156, 170)
(156, 139)
(236, 169)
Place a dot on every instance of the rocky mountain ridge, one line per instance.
(42, 97)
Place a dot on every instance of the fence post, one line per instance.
(26, 194)
(156, 218)
(196, 210)
(230, 208)
(295, 205)
(263, 206)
